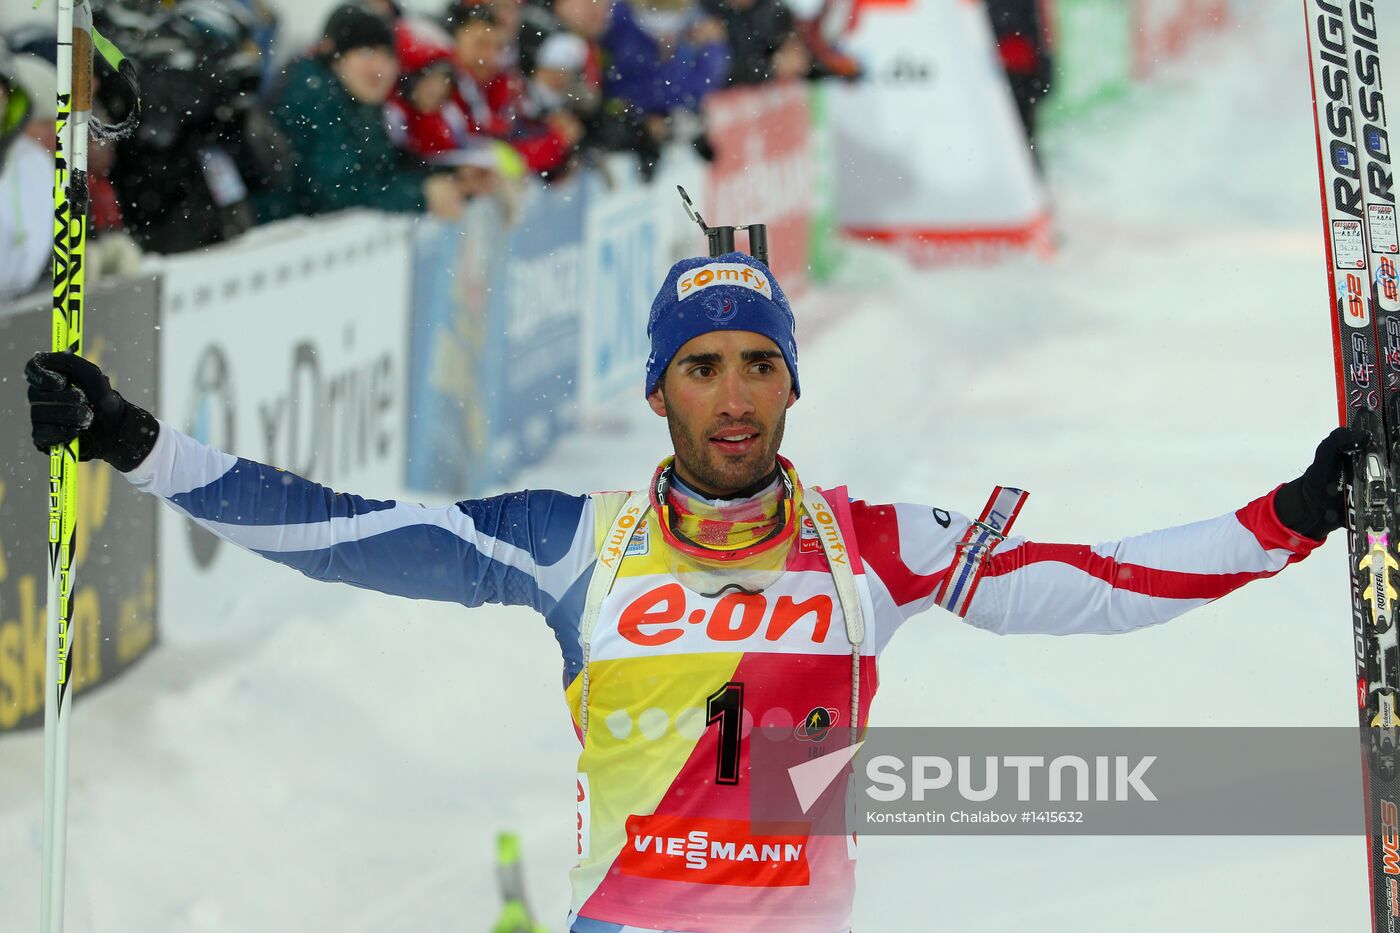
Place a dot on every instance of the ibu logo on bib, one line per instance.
(641, 541)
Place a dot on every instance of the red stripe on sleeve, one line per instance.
(877, 530)
(1133, 578)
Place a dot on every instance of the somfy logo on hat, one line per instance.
(723, 273)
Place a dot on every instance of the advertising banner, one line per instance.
(1093, 56)
(288, 348)
(930, 154)
(633, 232)
(1162, 29)
(823, 242)
(535, 327)
(764, 172)
(623, 265)
(453, 264)
(114, 596)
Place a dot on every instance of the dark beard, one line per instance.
(714, 473)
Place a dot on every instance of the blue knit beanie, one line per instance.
(730, 292)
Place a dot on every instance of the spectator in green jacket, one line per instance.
(332, 110)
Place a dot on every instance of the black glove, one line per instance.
(1315, 503)
(70, 397)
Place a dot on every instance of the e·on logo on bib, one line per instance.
(723, 273)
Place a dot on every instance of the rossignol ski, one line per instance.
(1362, 246)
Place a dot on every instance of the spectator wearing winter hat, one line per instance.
(204, 145)
(663, 63)
(425, 119)
(424, 116)
(508, 17)
(611, 124)
(26, 195)
(763, 40)
(587, 20)
(494, 97)
(332, 110)
(557, 78)
(109, 250)
(664, 60)
(40, 78)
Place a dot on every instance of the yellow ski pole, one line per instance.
(69, 244)
(515, 912)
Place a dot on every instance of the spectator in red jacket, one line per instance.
(492, 96)
(424, 115)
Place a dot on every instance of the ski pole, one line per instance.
(515, 912)
(69, 244)
(76, 41)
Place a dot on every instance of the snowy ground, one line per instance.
(346, 767)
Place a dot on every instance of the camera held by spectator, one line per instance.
(204, 141)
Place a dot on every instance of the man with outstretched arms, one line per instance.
(723, 588)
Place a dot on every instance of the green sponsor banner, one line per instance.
(823, 245)
(114, 611)
(1093, 57)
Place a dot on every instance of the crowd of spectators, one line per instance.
(25, 205)
(388, 109)
(397, 111)
(28, 108)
